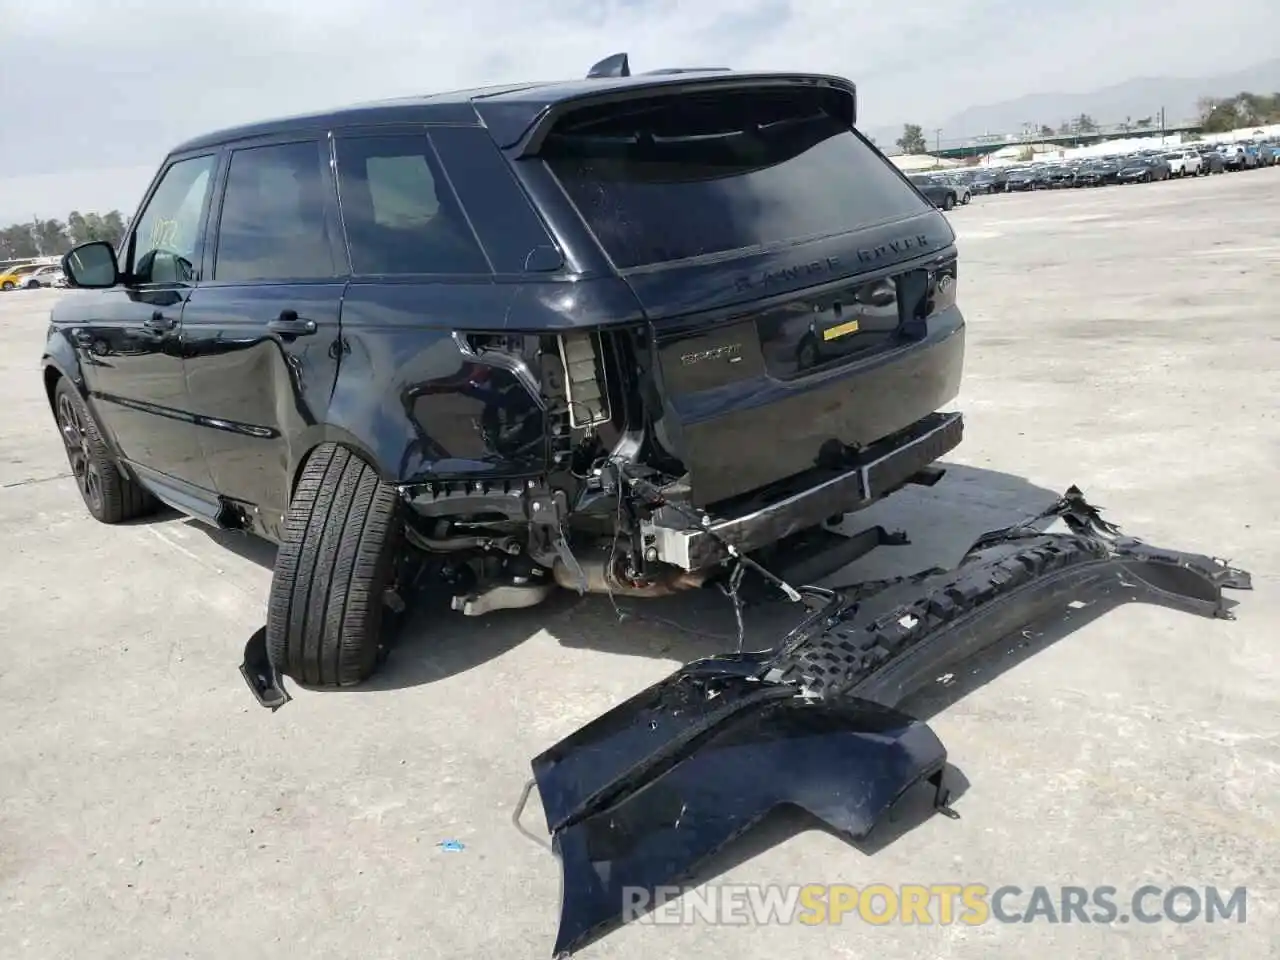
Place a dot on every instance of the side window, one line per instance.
(273, 225)
(399, 212)
(168, 230)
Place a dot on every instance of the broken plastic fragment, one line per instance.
(452, 846)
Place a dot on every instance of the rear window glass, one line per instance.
(669, 178)
(401, 216)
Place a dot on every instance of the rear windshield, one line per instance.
(669, 178)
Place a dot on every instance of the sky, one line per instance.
(96, 91)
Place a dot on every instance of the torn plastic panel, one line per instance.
(646, 793)
(715, 753)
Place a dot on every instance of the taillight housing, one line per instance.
(941, 292)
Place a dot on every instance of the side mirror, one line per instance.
(91, 266)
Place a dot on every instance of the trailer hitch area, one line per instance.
(667, 779)
(645, 794)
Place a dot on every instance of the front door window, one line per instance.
(167, 233)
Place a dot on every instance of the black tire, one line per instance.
(337, 556)
(7, 285)
(949, 202)
(109, 495)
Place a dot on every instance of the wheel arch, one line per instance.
(316, 437)
(60, 364)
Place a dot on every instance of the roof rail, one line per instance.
(616, 65)
(670, 70)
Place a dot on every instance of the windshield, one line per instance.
(673, 177)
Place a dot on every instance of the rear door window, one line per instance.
(400, 214)
(273, 223)
(675, 177)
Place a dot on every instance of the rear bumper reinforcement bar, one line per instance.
(882, 472)
(645, 794)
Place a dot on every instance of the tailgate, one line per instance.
(782, 262)
(759, 391)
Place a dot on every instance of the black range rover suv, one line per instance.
(605, 334)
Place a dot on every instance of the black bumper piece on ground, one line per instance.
(646, 793)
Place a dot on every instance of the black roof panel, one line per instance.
(508, 110)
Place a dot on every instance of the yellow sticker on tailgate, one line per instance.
(840, 330)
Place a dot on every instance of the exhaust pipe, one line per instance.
(599, 574)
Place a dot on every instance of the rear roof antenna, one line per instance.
(614, 66)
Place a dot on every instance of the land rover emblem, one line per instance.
(730, 351)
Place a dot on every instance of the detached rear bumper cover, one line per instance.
(646, 793)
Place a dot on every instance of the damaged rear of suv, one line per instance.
(603, 335)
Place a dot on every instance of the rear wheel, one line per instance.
(110, 496)
(949, 201)
(7, 285)
(336, 562)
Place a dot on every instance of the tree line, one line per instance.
(52, 238)
(1216, 115)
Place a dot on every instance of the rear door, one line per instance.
(261, 333)
(772, 248)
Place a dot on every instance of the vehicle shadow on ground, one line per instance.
(435, 643)
(941, 521)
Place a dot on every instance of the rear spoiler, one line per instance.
(521, 136)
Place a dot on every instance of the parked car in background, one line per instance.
(960, 180)
(1098, 173)
(1184, 163)
(1059, 175)
(1267, 153)
(46, 276)
(1252, 159)
(1233, 156)
(936, 190)
(1141, 169)
(16, 277)
(988, 181)
(1211, 160)
(1025, 178)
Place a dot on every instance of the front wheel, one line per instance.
(110, 496)
(336, 562)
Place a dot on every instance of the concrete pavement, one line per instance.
(1122, 339)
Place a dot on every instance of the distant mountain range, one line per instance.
(1135, 99)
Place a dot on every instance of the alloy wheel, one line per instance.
(83, 465)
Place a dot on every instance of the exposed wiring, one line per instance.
(742, 562)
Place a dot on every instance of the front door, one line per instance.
(261, 333)
(130, 339)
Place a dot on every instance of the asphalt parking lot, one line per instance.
(1124, 340)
